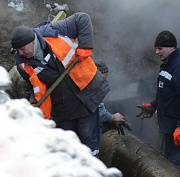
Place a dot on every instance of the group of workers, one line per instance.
(44, 52)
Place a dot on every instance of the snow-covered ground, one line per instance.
(19, 6)
(30, 146)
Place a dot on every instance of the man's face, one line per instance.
(164, 52)
(27, 50)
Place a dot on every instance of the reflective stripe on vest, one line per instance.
(39, 89)
(83, 72)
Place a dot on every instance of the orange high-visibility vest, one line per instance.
(64, 49)
(39, 88)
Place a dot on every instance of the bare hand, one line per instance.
(117, 117)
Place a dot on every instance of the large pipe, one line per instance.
(134, 157)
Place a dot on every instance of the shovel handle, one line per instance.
(57, 82)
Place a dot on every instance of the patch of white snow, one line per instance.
(4, 79)
(30, 146)
(17, 4)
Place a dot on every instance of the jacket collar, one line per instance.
(169, 58)
(45, 29)
(38, 51)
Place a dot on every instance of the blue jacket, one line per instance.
(68, 101)
(167, 100)
(104, 115)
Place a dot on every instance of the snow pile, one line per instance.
(30, 146)
(56, 7)
(17, 4)
(60, 7)
(4, 79)
(4, 82)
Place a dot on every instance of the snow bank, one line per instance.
(30, 146)
(4, 79)
(4, 83)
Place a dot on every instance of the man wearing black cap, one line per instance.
(43, 53)
(167, 102)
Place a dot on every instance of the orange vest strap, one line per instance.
(39, 90)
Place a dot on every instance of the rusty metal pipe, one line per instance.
(134, 157)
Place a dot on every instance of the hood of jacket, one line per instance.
(45, 29)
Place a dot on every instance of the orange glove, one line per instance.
(83, 53)
(147, 110)
(176, 135)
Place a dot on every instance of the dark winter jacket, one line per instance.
(67, 100)
(168, 94)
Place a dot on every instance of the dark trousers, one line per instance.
(172, 152)
(87, 128)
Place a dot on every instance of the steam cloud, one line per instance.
(125, 32)
(124, 35)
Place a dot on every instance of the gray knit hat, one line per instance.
(165, 39)
(22, 36)
(101, 66)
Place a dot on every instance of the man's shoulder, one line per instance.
(45, 29)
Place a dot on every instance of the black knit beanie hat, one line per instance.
(165, 39)
(101, 66)
(22, 36)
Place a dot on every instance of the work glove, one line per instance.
(127, 124)
(83, 53)
(147, 110)
(176, 135)
(119, 126)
